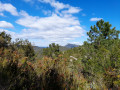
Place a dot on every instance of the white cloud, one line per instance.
(53, 21)
(53, 28)
(4, 24)
(55, 4)
(95, 19)
(61, 6)
(72, 10)
(9, 8)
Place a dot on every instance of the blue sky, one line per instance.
(55, 21)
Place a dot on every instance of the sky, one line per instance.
(43, 22)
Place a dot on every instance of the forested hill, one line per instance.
(95, 65)
(39, 50)
(62, 48)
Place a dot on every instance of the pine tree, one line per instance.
(52, 50)
(5, 39)
(102, 31)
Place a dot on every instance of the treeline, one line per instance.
(94, 65)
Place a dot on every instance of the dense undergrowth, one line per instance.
(19, 70)
(94, 65)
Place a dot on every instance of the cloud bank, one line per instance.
(60, 27)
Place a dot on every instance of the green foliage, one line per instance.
(102, 31)
(27, 48)
(100, 56)
(56, 74)
(52, 51)
(15, 75)
(4, 39)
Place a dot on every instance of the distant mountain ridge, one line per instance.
(71, 45)
(62, 48)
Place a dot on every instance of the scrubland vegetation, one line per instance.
(93, 66)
